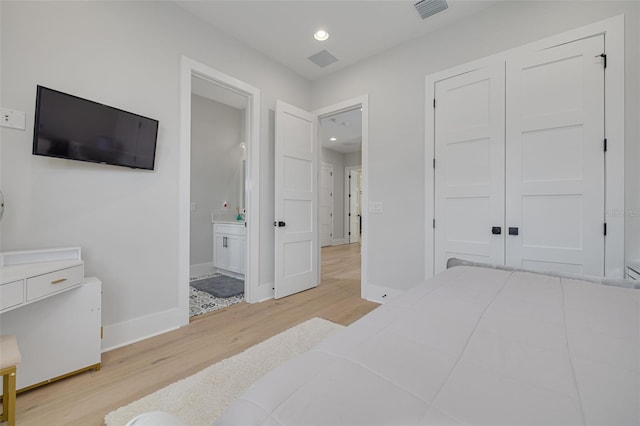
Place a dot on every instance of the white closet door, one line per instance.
(555, 159)
(326, 204)
(355, 208)
(469, 168)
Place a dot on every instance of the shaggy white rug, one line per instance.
(201, 398)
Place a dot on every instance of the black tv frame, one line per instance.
(105, 160)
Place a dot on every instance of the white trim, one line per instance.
(614, 125)
(189, 68)
(363, 102)
(613, 29)
(347, 208)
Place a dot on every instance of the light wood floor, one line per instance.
(130, 372)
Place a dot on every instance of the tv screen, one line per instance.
(70, 127)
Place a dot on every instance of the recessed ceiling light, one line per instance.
(321, 35)
(333, 139)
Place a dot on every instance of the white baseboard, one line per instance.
(127, 332)
(229, 273)
(338, 241)
(201, 269)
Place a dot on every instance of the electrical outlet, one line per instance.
(194, 206)
(13, 119)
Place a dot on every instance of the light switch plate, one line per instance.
(375, 207)
(13, 119)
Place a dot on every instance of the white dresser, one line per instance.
(54, 311)
(228, 248)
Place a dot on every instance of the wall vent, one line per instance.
(428, 8)
(322, 58)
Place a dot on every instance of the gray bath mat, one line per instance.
(220, 286)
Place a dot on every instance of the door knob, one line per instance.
(496, 230)
(513, 231)
(279, 224)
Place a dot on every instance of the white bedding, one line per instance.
(470, 346)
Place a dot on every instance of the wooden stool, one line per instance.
(9, 360)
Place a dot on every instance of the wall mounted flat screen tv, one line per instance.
(70, 127)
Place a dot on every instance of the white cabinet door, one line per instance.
(555, 159)
(58, 335)
(221, 254)
(296, 198)
(469, 167)
(235, 251)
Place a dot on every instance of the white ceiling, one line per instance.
(283, 30)
(346, 127)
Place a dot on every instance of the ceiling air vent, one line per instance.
(322, 58)
(428, 8)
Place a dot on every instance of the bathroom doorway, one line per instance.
(217, 206)
(237, 257)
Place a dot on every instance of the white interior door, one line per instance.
(355, 205)
(296, 200)
(555, 159)
(326, 204)
(469, 167)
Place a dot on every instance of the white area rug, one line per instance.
(201, 398)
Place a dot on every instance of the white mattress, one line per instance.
(470, 346)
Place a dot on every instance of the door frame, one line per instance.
(331, 204)
(188, 69)
(613, 29)
(362, 102)
(347, 201)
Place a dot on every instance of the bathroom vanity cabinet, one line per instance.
(228, 248)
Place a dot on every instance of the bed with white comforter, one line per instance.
(473, 345)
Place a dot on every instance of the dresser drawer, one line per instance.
(53, 282)
(11, 294)
(228, 229)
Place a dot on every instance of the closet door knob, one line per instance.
(496, 230)
(279, 224)
(513, 231)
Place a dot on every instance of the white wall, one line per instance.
(353, 159)
(216, 171)
(395, 82)
(124, 54)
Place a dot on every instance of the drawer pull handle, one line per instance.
(61, 280)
